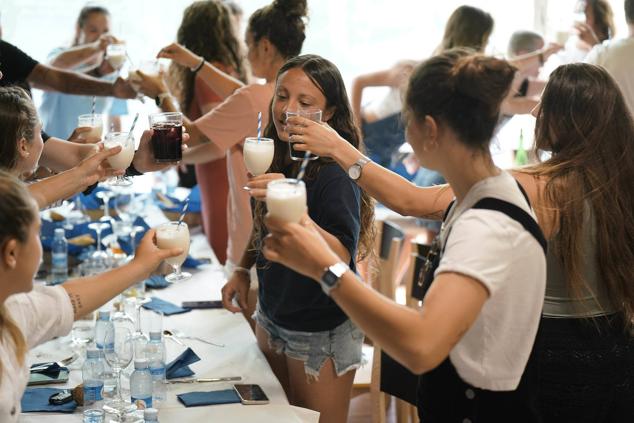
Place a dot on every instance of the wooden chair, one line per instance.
(388, 246)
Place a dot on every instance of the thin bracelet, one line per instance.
(199, 67)
(242, 270)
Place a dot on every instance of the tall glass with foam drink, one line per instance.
(286, 199)
(174, 235)
(95, 122)
(123, 159)
(116, 55)
(258, 154)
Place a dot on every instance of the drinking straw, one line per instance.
(133, 125)
(259, 125)
(182, 216)
(302, 168)
(94, 105)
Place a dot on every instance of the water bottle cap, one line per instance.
(141, 363)
(155, 336)
(92, 353)
(151, 413)
(59, 232)
(103, 315)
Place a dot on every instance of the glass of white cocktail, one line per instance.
(174, 235)
(123, 159)
(286, 199)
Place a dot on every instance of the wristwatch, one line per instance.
(354, 171)
(332, 276)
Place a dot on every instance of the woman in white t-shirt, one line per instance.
(30, 315)
(473, 338)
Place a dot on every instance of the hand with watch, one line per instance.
(300, 247)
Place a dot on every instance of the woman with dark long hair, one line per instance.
(311, 345)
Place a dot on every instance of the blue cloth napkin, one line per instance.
(156, 304)
(36, 399)
(192, 263)
(92, 202)
(197, 399)
(48, 230)
(179, 367)
(156, 282)
(194, 202)
(51, 370)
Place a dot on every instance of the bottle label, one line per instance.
(93, 392)
(142, 403)
(102, 346)
(158, 372)
(59, 260)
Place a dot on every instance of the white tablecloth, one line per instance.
(240, 357)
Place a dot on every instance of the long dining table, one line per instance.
(239, 355)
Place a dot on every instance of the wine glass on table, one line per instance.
(119, 352)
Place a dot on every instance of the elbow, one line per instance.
(422, 359)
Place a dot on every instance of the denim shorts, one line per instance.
(342, 344)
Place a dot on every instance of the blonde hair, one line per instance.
(17, 214)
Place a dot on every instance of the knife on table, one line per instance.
(203, 380)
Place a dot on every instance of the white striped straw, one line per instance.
(302, 168)
(259, 125)
(94, 105)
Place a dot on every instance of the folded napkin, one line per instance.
(47, 232)
(92, 202)
(192, 263)
(179, 367)
(197, 399)
(194, 202)
(49, 369)
(36, 399)
(167, 308)
(156, 282)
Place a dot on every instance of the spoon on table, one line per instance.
(177, 334)
(168, 334)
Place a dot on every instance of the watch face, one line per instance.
(355, 171)
(329, 278)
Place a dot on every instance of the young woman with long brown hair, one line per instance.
(311, 345)
(583, 198)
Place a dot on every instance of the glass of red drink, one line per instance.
(167, 137)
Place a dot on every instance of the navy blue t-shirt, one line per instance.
(294, 301)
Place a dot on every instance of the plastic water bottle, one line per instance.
(141, 384)
(101, 327)
(150, 415)
(59, 254)
(155, 353)
(92, 375)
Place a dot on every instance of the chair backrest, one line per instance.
(388, 248)
(417, 261)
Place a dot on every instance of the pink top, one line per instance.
(227, 126)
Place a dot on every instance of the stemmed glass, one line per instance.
(118, 353)
(174, 235)
(132, 307)
(99, 257)
(121, 160)
(105, 197)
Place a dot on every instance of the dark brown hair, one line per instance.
(463, 90)
(18, 119)
(17, 214)
(206, 30)
(629, 11)
(604, 27)
(282, 23)
(325, 75)
(84, 13)
(584, 122)
(469, 27)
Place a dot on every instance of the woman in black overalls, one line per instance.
(473, 338)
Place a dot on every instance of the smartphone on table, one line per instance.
(201, 304)
(251, 394)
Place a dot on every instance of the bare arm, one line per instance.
(76, 56)
(60, 155)
(222, 83)
(68, 183)
(420, 340)
(89, 293)
(52, 79)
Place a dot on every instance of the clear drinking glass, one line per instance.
(286, 199)
(99, 257)
(119, 352)
(311, 114)
(116, 55)
(95, 121)
(174, 235)
(105, 197)
(123, 159)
